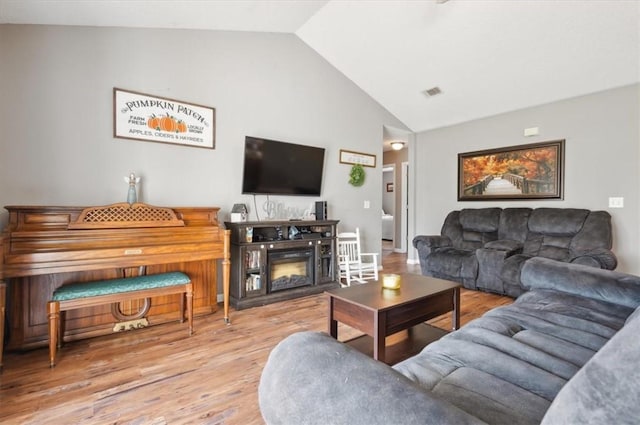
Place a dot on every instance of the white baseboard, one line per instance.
(413, 261)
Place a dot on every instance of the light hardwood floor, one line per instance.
(158, 375)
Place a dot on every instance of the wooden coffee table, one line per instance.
(380, 313)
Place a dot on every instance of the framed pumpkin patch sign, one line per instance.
(140, 116)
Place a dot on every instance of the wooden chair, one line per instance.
(353, 263)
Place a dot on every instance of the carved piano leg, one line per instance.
(54, 326)
(3, 302)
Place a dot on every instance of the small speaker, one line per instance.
(321, 210)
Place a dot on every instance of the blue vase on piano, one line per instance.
(132, 194)
(132, 198)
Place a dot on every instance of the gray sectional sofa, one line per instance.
(486, 248)
(565, 352)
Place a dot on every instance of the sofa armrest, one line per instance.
(491, 261)
(310, 378)
(605, 285)
(426, 244)
(509, 246)
(431, 241)
(601, 258)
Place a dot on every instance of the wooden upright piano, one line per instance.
(45, 247)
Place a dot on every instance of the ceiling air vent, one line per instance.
(433, 91)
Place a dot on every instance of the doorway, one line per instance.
(395, 188)
(388, 207)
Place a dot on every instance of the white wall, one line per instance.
(57, 145)
(602, 160)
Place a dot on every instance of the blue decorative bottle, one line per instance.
(132, 194)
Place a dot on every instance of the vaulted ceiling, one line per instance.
(485, 56)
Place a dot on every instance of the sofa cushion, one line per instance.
(450, 261)
(501, 401)
(577, 324)
(557, 221)
(511, 268)
(557, 347)
(605, 390)
(536, 345)
(513, 346)
(484, 220)
(596, 233)
(472, 228)
(489, 266)
(513, 223)
(549, 246)
(551, 231)
(510, 246)
(605, 285)
(449, 354)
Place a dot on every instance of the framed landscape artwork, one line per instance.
(533, 171)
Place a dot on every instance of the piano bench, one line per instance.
(90, 294)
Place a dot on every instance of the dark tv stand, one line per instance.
(273, 261)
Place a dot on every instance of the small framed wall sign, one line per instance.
(140, 116)
(389, 187)
(364, 159)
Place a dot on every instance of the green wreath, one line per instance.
(356, 176)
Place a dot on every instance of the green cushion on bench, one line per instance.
(115, 286)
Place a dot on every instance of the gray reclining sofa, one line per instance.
(565, 352)
(486, 248)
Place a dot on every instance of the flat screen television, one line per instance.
(280, 168)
